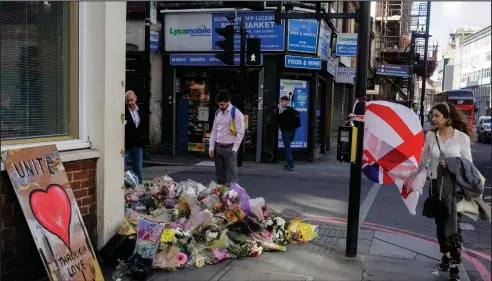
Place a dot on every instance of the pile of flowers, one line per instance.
(201, 225)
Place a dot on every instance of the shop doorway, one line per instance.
(196, 89)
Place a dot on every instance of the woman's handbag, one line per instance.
(433, 204)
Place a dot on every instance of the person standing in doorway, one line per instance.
(225, 139)
(288, 122)
(134, 134)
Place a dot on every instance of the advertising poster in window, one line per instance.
(298, 93)
(52, 214)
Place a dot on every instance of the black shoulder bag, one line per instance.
(433, 203)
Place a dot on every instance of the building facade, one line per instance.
(449, 66)
(475, 68)
(183, 89)
(62, 82)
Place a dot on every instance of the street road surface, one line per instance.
(320, 190)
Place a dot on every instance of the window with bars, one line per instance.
(38, 71)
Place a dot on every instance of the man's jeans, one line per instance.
(287, 138)
(225, 165)
(135, 155)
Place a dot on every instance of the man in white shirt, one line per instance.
(134, 134)
(224, 142)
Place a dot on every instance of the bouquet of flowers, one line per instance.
(276, 226)
(299, 232)
(219, 255)
(130, 179)
(200, 257)
(167, 258)
(230, 198)
(264, 239)
(234, 214)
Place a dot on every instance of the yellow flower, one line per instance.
(167, 235)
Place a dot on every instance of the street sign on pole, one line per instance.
(364, 22)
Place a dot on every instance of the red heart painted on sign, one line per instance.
(53, 210)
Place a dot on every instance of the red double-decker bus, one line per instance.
(464, 100)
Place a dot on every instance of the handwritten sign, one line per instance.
(46, 198)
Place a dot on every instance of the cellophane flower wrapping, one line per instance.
(148, 236)
(299, 232)
(204, 224)
(200, 256)
(242, 196)
(130, 179)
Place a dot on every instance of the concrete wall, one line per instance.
(105, 44)
(155, 105)
(135, 35)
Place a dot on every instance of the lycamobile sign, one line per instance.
(199, 31)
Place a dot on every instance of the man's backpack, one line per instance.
(296, 118)
(232, 127)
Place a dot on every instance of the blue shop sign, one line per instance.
(258, 24)
(154, 42)
(201, 60)
(346, 45)
(302, 35)
(302, 62)
(393, 70)
(324, 41)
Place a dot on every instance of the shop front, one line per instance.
(293, 63)
(192, 77)
(195, 89)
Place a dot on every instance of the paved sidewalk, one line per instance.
(382, 256)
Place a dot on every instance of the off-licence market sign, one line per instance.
(196, 32)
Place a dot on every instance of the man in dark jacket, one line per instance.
(134, 134)
(288, 122)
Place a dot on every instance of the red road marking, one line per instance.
(482, 270)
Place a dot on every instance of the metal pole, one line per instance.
(411, 62)
(147, 74)
(242, 59)
(242, 79)
(426, 51)
(364, 24)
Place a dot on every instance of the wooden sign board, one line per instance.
(51, 211)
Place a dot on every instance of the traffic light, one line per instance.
(253, 51)
(227, 56)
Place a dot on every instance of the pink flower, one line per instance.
(266, 234)
(181, 258)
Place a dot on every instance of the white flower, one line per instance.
(232, 193)
(200, 261)
(280, 221)
(269, 222)
(212, 235)
(176, 212)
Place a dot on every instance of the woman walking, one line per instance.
(449, 138)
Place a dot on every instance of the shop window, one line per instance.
(39, 71)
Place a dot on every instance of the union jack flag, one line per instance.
(393, 142)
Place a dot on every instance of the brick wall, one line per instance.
(19, 257)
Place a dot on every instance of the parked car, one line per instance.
(483, 128)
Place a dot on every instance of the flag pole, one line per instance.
(364, 23)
